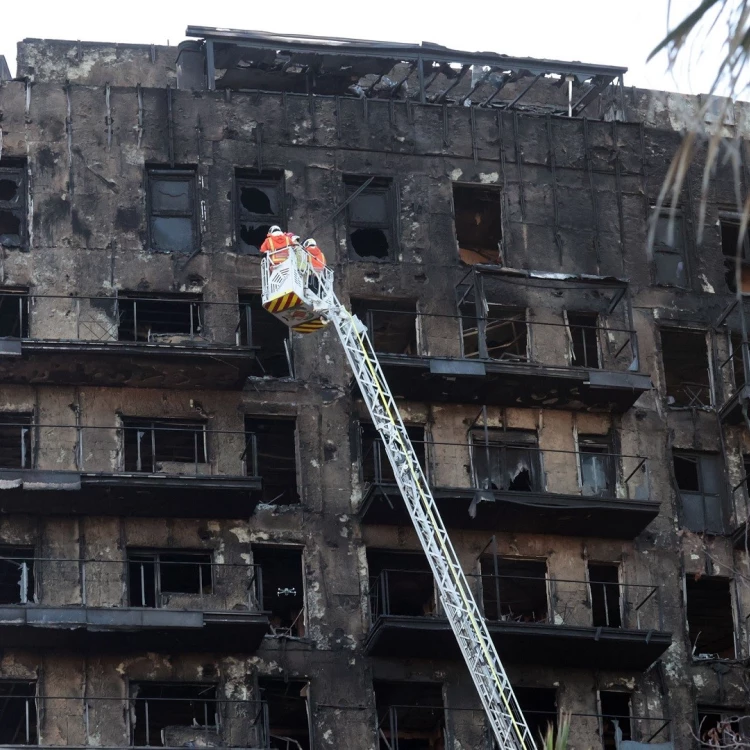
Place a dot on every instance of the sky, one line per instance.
(607, 32)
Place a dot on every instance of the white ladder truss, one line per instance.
(465, 618)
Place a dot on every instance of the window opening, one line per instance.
(370, 219)
(288, 713)
(18, 712)
(615, 709)
(16, 575)
(596, 465)
(271, 453)
(685, 357)
(584, 340)
(153, 576)
(410, 715)
(259, 201)
(174, 714)
(723, 727)
(701, 498)
(172, 225)
(478, 221)
(604, 585)
(15, 441)
(730, 237)
(151, 445)
(375, 465)
(502, 335)
(514, 590)
(710, 617)
(505, 460)
(159, 317)
(400, 584)
(391, 325)
(539, 708)
(268, 335)
(12, 205)
(282, 590)
(670, 261)
(14, 313)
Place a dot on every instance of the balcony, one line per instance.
(139, 467)
(167, 715)
(498, 350)
(532, 620)
(176, 601)
(150, 341)
(512, 486)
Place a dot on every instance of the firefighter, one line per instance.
(315, 254)
(277, 244)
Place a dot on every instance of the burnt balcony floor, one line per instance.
(732, 411)
(525, 512)
(95, 629)
(511, 383)
(402, 637)
(124, 363)
(39, 492)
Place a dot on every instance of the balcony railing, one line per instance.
(526, 600)
(148, 320)
(505, 467)
(138, 448)
(512, 339)
(145, 580)
(170, 722)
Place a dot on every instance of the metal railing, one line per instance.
(153, 580)
(732, 370)
(166, 321)
(203, 720)
(513, 339)
(525, 599)
(137, 447)
(506, 467)
(402, 726)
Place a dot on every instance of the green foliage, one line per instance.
(559, 742)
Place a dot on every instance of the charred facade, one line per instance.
(201, 541)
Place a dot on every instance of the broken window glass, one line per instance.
(375, 466)
(159, 318)
(401, 583)
(410, 715)
(604, 586)
(539, 708)
(478, 223)
(506, 461)
(710, 617)
(12, 204)
(700, 489)
(615, 708)
(14, 313)
(584, 339)
(173, 714)
(259, 201)
(271, 454)
(18, 712)
(152, 445)
(16, 575)
(596, 465)
(669, 249)
(153, 574)
(282, 592)
(514, 590)
(288, 713)
(391, 324)
(267, 335)
(730, 245)
(172, 225)
(685, 358)
(15, 441)
(723, 727)
(502, 335)
(370, 219)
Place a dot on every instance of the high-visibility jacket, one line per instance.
(277, 245)
(317, 258)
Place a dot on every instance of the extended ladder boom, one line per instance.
(464, 616)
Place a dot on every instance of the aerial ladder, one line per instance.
(298, 290)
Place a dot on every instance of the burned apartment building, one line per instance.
(201, 541)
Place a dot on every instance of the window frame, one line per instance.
(662, 249)
(500, 445)
(155, 560)
(605, 444)
(585, 332)
(267, 179)
(152, 426)
(177, 174)
(720, 495)
(381, 185)
(13, 168)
